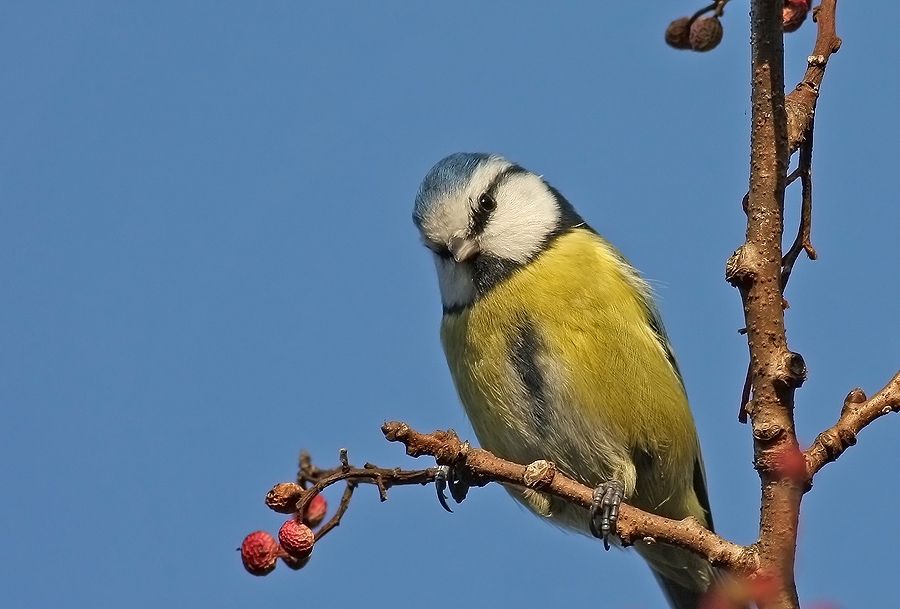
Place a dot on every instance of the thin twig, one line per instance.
(745, 395)
(291, 497)
(802, 242)
(335, 520)
(856, 414)
(800, 104)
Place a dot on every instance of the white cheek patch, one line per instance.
(452, 216)
(446, 221)
(527, 212)
(455, 282)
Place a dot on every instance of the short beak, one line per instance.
(463, 249)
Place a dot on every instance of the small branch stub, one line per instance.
(791, 370)
(738, 271)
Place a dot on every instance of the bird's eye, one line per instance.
(487, 202)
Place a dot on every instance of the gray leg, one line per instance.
(605, 509)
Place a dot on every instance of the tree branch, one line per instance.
(478, 467)
(755, 269)
(801, 102)
(855, 415)
(634, 525)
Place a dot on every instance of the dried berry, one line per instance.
(706, 34)
(283, 497)
(315, 512)
(259, 552)
(794, 14)
(296, 538)
(678, 33)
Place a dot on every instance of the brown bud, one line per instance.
(706, 34)
(857, 396)
(678, 33)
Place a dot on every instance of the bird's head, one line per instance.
(483, 217)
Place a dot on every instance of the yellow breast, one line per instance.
(560, 361)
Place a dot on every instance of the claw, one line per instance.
(446, 478)
(604, 510)
(459, 488)
(440, 484)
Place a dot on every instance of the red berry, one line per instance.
(296, 538)
(259, 553)
(315, 511)
(794, 14)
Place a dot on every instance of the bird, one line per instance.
(558, 351)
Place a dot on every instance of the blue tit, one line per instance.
(558, 352)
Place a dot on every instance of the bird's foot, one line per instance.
(448, 478)
(604, 509)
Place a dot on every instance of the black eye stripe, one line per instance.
(482, 213)
(487, 203)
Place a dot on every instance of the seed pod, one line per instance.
(678, 33)
(706, 34)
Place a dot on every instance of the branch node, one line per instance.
(767, 432)
(816, 60)
(539, 474)
(847, 437)
(791, 370)
(738, 271)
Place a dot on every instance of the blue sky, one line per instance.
(208, 264)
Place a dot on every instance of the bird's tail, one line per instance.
(683, 576)
(679, 597)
